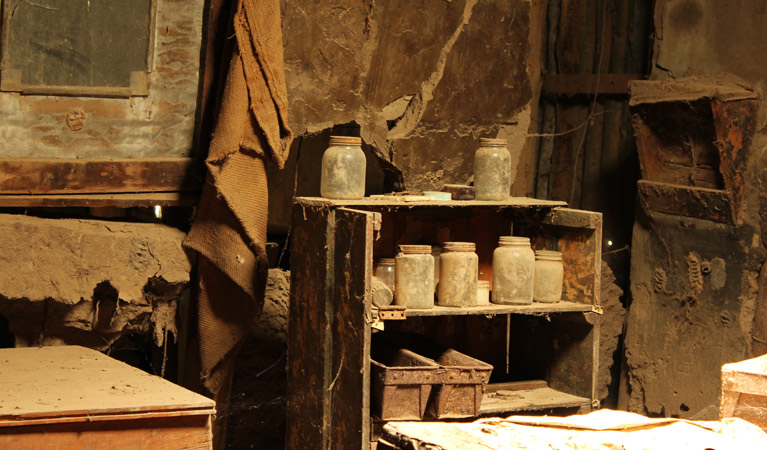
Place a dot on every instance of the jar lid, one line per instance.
(415, 249)
(484, 284)
(459, 247)
(345, 140)
(514, 240)
(386, 261)
(548, 255)
(491, 142)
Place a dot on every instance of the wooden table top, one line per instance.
(72, 383)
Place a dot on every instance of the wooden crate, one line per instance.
(744, 391)
(334, 244)
(72, 397)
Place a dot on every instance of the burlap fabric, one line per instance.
(229, 231)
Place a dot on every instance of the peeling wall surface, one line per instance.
(160, 124)
(698, 287)
(702, 37)
(424, 80)
(86, 282)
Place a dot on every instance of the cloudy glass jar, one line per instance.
(343, 169)
(549, 276)
(414, 277)
(492, 170)
(458, 270)
(513, 269)
(385, 271)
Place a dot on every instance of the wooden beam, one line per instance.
(589, 84)
(81, 176)
(100, 200)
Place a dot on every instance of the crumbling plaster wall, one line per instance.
(88, 282)
(424, 80)
(698, 287)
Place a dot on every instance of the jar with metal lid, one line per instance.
(483, 292)
(414, 277)
(384, 270)
(513, 269)
(458, 271)
(343, 169)
(492, 170)
(549, 275)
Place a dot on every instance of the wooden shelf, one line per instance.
(535, 308)
(529, 400)
(415, 200)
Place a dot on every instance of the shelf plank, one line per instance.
(535, 308)
(505, 401)
(408, 201)
(98, 200)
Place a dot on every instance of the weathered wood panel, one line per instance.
(65, 176)
(158, 125)
(189, 433)
(329, 329)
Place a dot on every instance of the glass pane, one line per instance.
(93, 43)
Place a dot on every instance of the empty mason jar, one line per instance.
(385, 271)
(458, 270)
(549, 275)
(343, 169)
(414, 278)
(513, 269)
(492, 170)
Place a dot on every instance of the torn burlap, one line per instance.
(229, 231)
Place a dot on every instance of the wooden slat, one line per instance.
(411, 201)
(534, 308)
(189, 432)
(100, 200)
(589, 84)
(71, 176)
(530, 400)
(687, 201)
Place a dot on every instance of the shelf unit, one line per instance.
(334, 243)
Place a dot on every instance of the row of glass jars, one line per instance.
(344, 165)
(519, 275)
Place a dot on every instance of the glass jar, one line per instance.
(414, 278)
(549, 275)
(385, 271)
(458, 271)
(492, 170)
(343, 169)
(483, 292)
(513, 270)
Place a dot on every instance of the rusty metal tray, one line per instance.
(459, 381)
(401, 382)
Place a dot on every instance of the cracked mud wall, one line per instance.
(699, 287)
(423, 80)
(87, 282)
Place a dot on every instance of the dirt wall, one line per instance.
(423, 81)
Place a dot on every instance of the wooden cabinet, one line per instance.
(331, 317)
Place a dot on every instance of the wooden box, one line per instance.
(72, 397)
(744, 391)
(331, 316)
